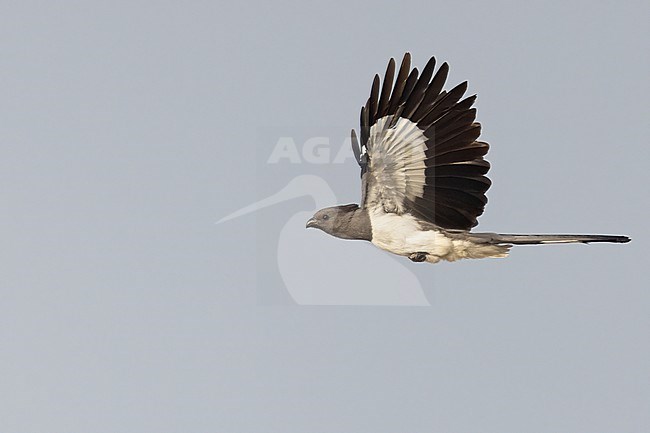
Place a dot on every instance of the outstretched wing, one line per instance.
(419, 152)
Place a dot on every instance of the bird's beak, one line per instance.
(311, 223)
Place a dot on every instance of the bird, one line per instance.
(423, 174)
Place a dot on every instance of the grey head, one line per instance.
(345, 221)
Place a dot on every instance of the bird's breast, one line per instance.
(403, 235)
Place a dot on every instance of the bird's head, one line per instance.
(331, 219)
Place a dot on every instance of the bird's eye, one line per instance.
(326, 217)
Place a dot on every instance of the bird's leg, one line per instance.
(418, 257)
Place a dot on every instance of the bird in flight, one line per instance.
(423, 174)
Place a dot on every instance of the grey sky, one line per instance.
(128, 128)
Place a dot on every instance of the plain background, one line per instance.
(128, 128)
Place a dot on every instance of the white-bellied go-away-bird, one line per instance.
(423, 174)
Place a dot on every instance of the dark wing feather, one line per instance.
(400, 83)
(386, 88)
(419, 151)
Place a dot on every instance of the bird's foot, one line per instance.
(418, 257)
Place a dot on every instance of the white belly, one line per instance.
(401, 234)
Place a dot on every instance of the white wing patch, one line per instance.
(397, 156)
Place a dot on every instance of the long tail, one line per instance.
(553, 239)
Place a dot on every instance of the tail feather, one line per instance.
(555, 239)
